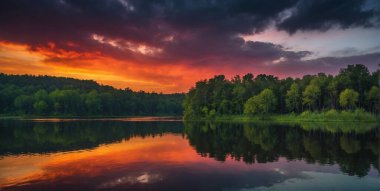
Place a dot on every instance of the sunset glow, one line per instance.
(189, 95)
(168, 46)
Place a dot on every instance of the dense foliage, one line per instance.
(45, 95)
(353, 88)
(262, 103)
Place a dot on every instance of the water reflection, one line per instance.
(17, 136)
(171, 155)
(354, 152)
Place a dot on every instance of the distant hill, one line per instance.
(56, 96)
(51, 82)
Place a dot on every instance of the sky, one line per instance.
(168, 45)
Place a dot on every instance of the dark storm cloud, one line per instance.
(324, 14)
(327, 64)
(143, 21)
(180, 29)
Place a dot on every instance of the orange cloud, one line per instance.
(141, 74)
(48, 60)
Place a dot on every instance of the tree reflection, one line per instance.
(354, 152)
(35, 137)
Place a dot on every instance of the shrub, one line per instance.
(306, 113)
(331, 113)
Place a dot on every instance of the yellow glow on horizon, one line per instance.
(18, 59)
(151, 77)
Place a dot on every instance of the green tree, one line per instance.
(348, 98)
(238, 93)
(40, 107)
(311, 95)
(251, 106)
(336, 85)
(41, 101)
(93, 102)
(263, 103)
(372, 98)
(359, 79)
(293, 98)
(72, 103)
(56, 97)
(23, 103)
(41, 95)
(321, 81)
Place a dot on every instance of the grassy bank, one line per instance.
(307, 116)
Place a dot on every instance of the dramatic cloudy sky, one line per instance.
(166, 46)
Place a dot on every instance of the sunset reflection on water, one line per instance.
(156, 156)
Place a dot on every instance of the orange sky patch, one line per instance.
(166, 78)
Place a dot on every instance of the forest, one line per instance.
(354, 88)
(58, 96)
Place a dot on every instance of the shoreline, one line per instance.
(344, 116)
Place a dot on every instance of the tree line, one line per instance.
(353, 88)
(46, 95)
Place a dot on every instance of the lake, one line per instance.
(169, 154)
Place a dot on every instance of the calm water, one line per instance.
(167, 154)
